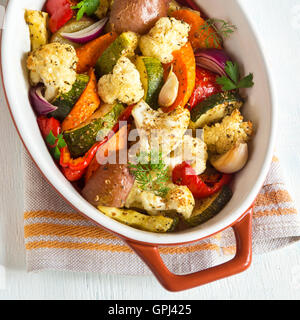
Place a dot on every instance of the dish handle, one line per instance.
(172, 282)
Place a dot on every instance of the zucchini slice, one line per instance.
(158, 224)
(124, 45)
(152, 77)
(207, 208)
(214, 109)
(66, 101)
(82, 138)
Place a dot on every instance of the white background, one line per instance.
(272, 276)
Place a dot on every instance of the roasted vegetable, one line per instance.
(72, 26)
(210, 207)
(123, 84)
(124, 45)
(90, 52)
(87, 104)
(184, 66)
(66, 101)
(60, 13)
(232, 161)
(103, 8)
(199, 36)
(159, 224)
(54, 64)
(205, 86)
(138, 16)
(109, 186)
(37, 22)
(214, 109)
(114, 144)
(171, 127)
(51, 132)
(169, 91)
(222, 137)
(167, 36)
(82, 138)
(151, 73)
(185, 175)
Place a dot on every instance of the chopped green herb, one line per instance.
(55, 144)
(56, 153)
(224, 30)
(88, 7)
(61, 142)
(151, 173)
(233, 81)
(51, 139)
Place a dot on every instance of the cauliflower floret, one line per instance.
(159, 130)
(54, 64)
(124, 84)
(224, 136)
(191, 150)
(179, 199)
(168, 35)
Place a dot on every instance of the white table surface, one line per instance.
(272, 276)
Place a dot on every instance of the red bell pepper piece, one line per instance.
(205, 87)
(51, 132)
(185, 175)
(60, 13)
(47, 125)
(72, 175)
(74, 169)
(81, 163)
(126, 114)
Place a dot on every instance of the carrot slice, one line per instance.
(184, 66)
(87, 104)
(91, 52)
(116, 143)
(198, 38)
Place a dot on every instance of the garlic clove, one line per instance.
(232, 161)
(169, 91)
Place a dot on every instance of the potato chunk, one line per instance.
(37, 22)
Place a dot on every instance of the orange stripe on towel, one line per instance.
(53, 215)
(47, 229)
(275, 212)
(274, 197)
(77, 246)
(115, 248)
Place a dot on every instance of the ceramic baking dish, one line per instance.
(244, 47)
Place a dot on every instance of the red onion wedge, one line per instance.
(88, 34)
(213, 60)
(39, 103)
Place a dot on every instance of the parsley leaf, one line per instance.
(232, 69)
(246, 82)
(56, 153)
(55, 144)
(51, 139)
(61, 143)
(226, 83)
(233, 80)
(86, 7)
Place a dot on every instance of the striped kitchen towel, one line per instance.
(59, 238)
